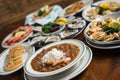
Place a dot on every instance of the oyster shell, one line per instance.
(52, 38)
(37, 28)
(37, 39)
(77, 23)
(67, 33)
(36, 35)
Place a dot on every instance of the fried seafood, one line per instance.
(74, 8)
(106, 30)
(14, 58)
(103, 9)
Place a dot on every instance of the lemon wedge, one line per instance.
(61, 21)
(20, 33)
(112, 22)
(47, 10)
(105, 5)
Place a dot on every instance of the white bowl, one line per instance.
(29, 70)
(78, 68)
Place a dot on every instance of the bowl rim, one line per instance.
(43, 74)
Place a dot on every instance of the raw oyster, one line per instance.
(37, 29)
(52, 38)
(37, 39)
(67, 33)
(36, 34)
(77, 23)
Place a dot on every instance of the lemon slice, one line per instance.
(112, 22)
(47, 10)
(105, 5)
(61, 21)
(20, 33)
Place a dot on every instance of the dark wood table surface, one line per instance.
(105, 64)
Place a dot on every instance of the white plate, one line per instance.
(26, 55)
(74, 71)
(88, 2)
(8, 36)
(84, 13)
(29, 70)
(48, 18)
(113, 15)
(102, 47)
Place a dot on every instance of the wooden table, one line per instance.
(105, 64)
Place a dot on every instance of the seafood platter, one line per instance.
(101, 8)
(76, 7)
(61, 29)
(104, 32)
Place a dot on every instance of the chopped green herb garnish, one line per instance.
(111, 29)
(41, 12)
(46, 27)
(101, 10)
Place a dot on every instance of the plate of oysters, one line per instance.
(60, 29)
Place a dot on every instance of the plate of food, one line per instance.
(101, 8)
(68, 74)
(55, 58)
(19, 35)
(75, 7)
(104, 30)
(13, 58)
(39, 38)
(43, 15)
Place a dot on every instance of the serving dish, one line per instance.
(17, 36)
(100, 8)
(29, 70)
(75, 7)
(49, 17)
(108, 40)
(38, 39)
(28, 51)
(72, 72)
